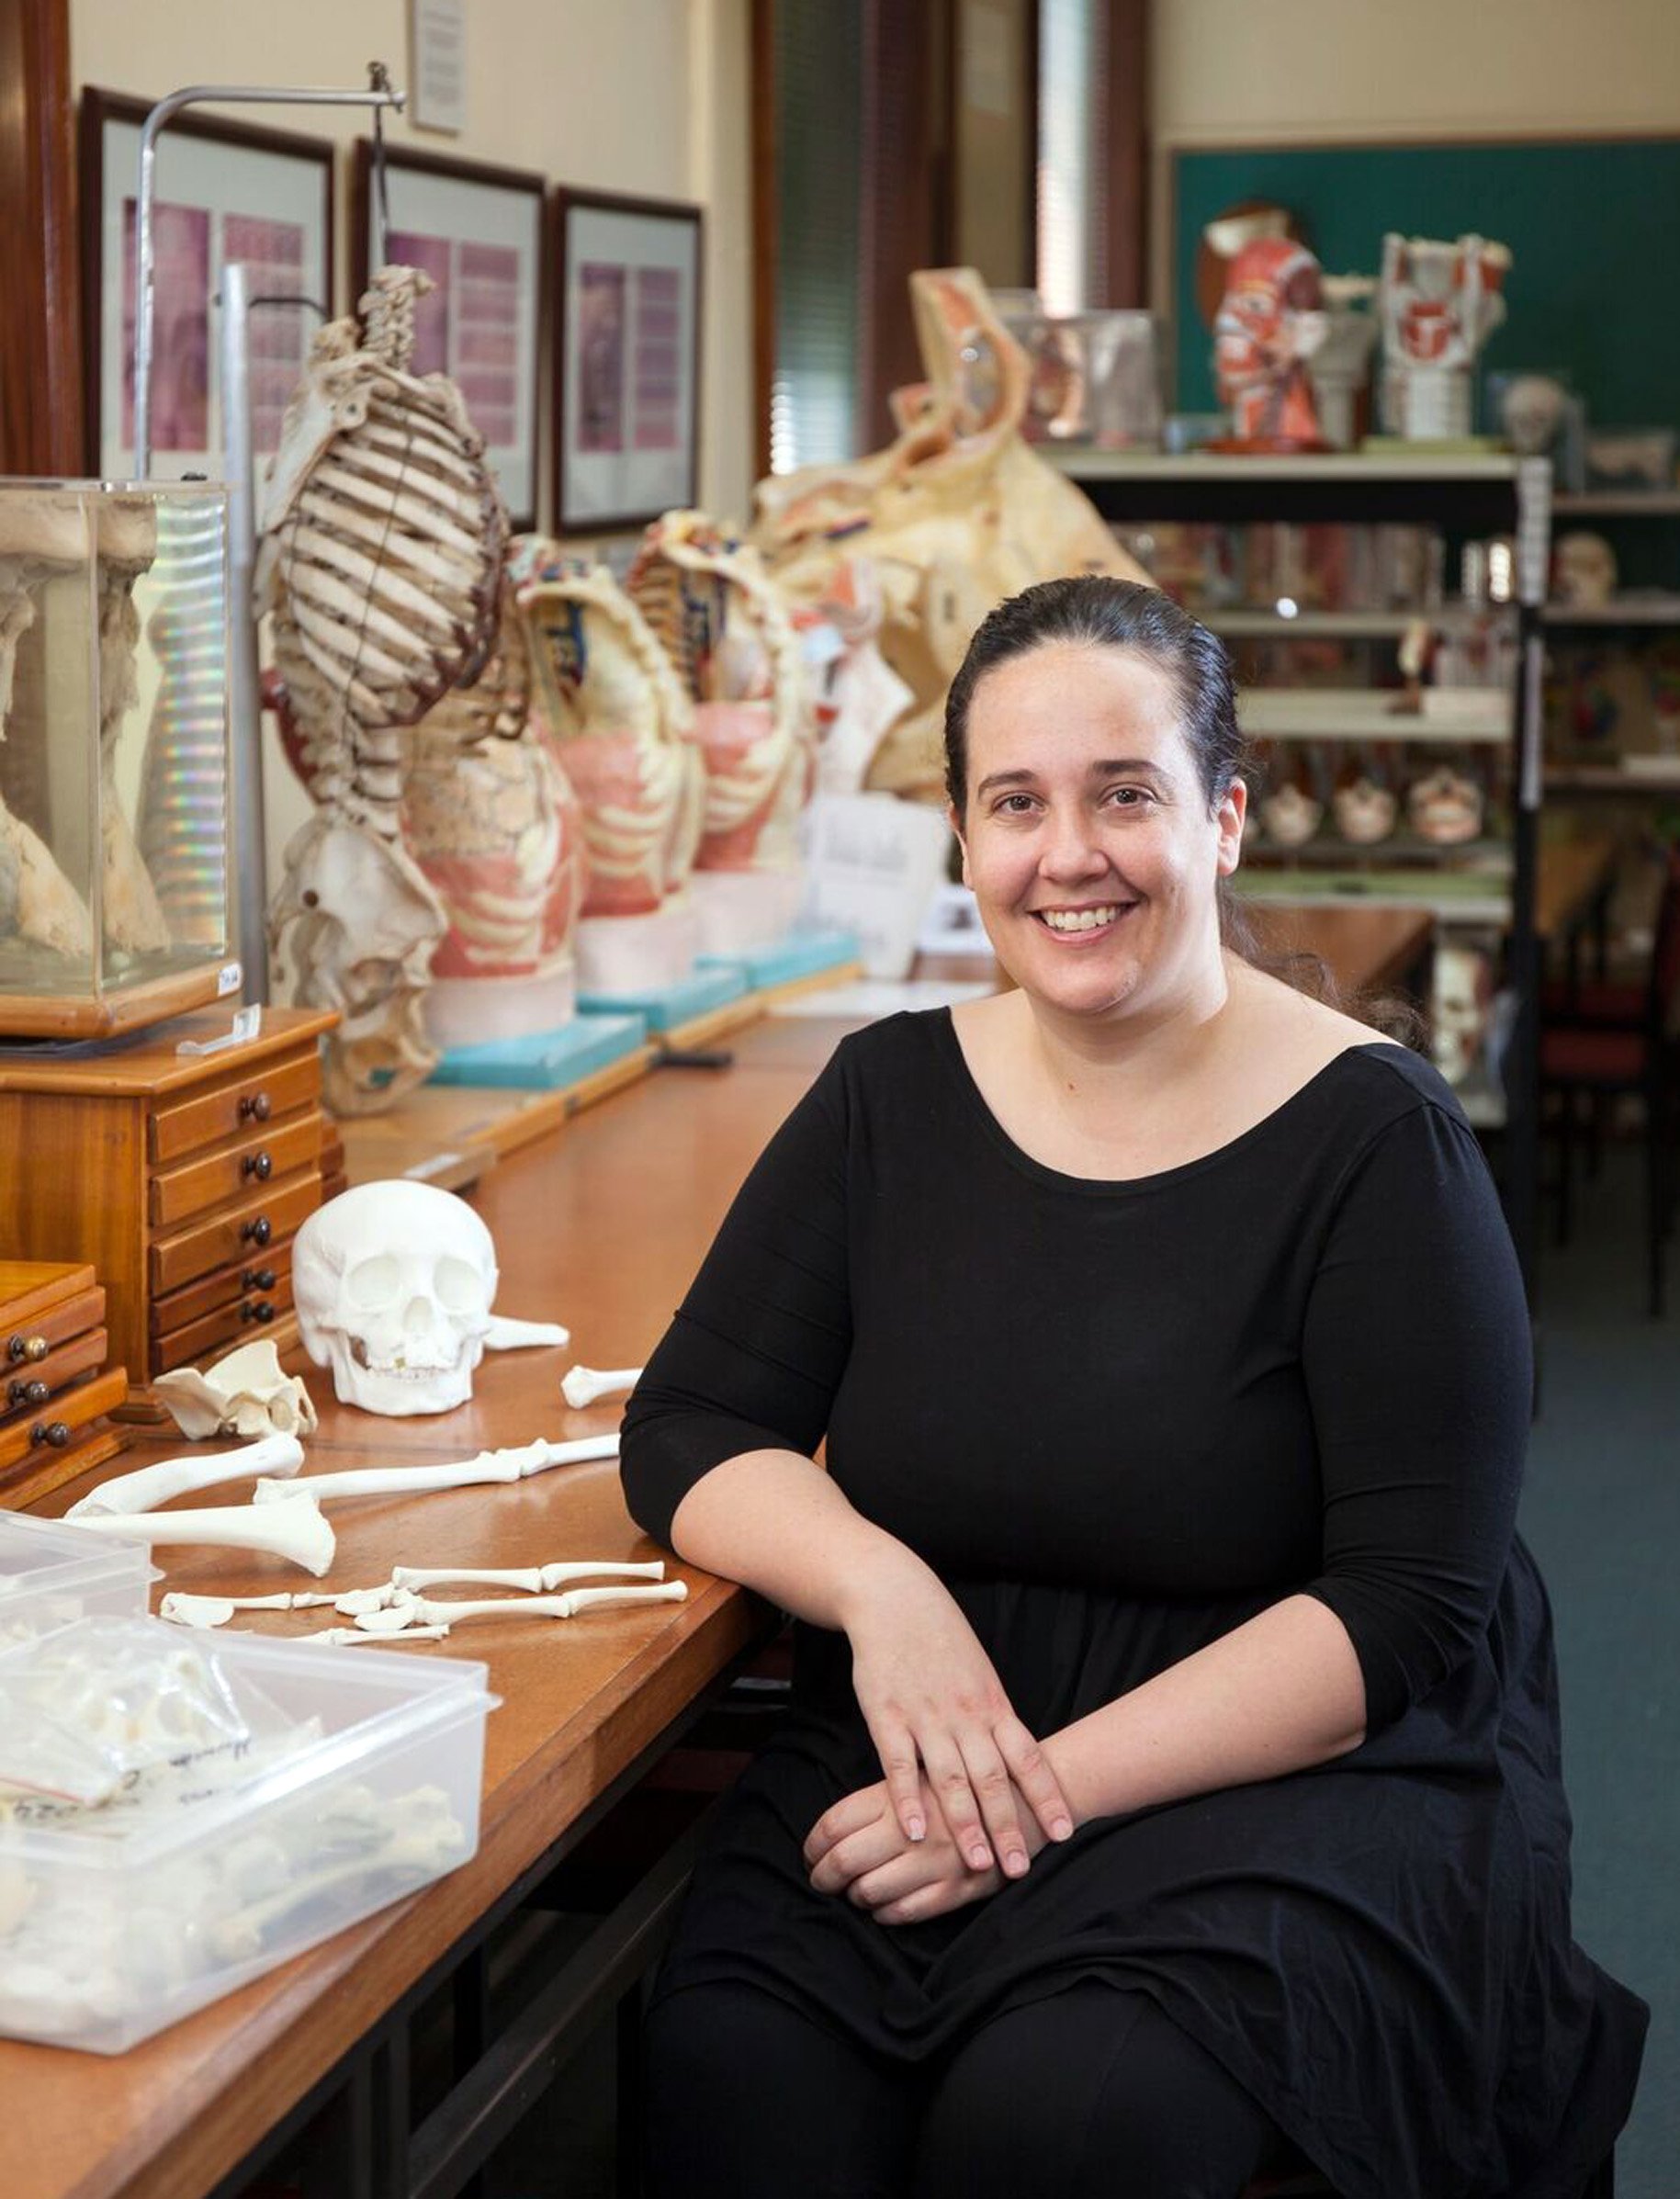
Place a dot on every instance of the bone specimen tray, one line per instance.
(181, 1177)
(55, 1384)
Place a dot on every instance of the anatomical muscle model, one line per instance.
(1439, 303)
(1271, 321)
(956, 513)
(382, 565)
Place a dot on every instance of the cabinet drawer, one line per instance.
(68, 1318)
(268, 1152)
(31, 1388)
(51, 1428)
(237, 1234)
(259, 1275)
(246, 1101)
(240, 1321)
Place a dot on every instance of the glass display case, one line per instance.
(115, 783)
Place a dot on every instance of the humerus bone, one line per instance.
(515, 1465)
(534, 1577)
(505, 1334)
(297, 1530)
(216, 1610)
(151, 1485)
(583, 1385)
(396, 1618)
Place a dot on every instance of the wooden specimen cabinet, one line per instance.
(55, 1384)
(181, 1177)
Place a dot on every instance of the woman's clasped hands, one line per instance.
(969, 1798)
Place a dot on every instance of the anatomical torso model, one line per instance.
(956, 513)
(604, 691)
(731, 641)
(1440, 303)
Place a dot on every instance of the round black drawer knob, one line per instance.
(260, 1165)
(257, 1278)
(25, 1348)
(261, 1311)
(51, 1432)
(259, 1231)
(255, 1107)
(22, 1393)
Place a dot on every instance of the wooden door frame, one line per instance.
(40, 332)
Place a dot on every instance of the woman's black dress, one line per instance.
(1118, 1419)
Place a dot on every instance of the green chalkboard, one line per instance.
(1592, 224)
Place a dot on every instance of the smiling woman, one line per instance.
(1172, 1774)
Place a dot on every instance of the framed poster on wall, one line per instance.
(223, 191)
(478, 233)
(626, 360)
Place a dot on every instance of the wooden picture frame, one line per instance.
(479, 232)
(224, 190)
(626, 359)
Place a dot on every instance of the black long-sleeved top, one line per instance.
(1299, 1363)
(1119, 1419)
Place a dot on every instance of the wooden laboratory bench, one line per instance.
(600, 1226)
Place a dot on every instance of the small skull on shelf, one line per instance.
(393, 1284)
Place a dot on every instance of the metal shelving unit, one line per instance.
(1464, 496)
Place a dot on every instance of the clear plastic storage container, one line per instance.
(51, 1573)
(265, 1794)
(115, 891)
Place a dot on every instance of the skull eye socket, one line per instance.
(459, 1287)
(372, 1283)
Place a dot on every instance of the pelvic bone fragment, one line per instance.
(583, 1385)
(297, 1531)
(243, 1394)
(151, 1485)
(515, 1465)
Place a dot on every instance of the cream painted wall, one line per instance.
(1282, 72)
(645, 97)
(649, 98)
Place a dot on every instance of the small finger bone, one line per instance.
(583, 1385)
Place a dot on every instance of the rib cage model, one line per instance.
(733, 647)
(381, 563)
(602, 686)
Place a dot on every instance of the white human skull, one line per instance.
(1584, 571)
(1532, 411)
(1461, 999)
(393, 1284)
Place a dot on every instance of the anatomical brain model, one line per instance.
(955, 514)
(733, 647)
(382, 566)
(1271, 321)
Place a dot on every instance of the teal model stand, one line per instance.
(800, 954)
(544, 1060)
(671, 1006)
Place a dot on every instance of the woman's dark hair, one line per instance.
(1093, 611)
